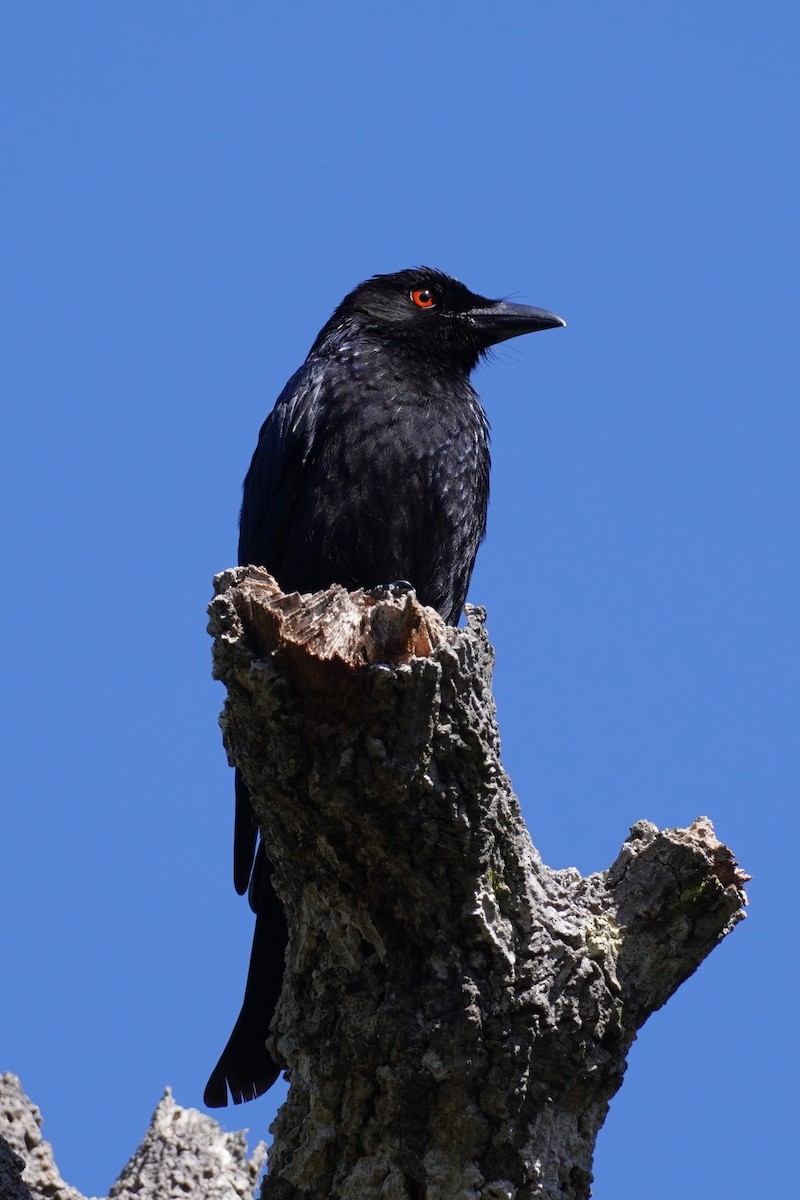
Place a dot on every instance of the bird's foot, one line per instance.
(391, 591)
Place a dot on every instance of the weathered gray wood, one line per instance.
(186, 1153)
(183, 1153)
(27, 1168)
(455, 1015)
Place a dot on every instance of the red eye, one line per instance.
(423, 298)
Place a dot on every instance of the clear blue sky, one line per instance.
(188, 189)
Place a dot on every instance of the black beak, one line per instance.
(499, 320)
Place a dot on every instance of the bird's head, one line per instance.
(430, 314)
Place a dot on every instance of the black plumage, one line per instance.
(371, 469)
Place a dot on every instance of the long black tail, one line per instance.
(245, 1067)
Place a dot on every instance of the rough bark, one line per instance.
(27, 1167)
(183, 1153)
(455, 1015)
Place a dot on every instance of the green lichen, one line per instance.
(694, 897)
(603, 937)
(497, 883)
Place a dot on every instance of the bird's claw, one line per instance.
(392, 591)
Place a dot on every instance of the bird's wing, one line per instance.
(265, 539)
(276, 469)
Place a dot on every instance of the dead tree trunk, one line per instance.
(455, 1015)
(184, 1153)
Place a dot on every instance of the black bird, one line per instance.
(371, 470)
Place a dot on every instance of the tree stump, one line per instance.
(455, 1015)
